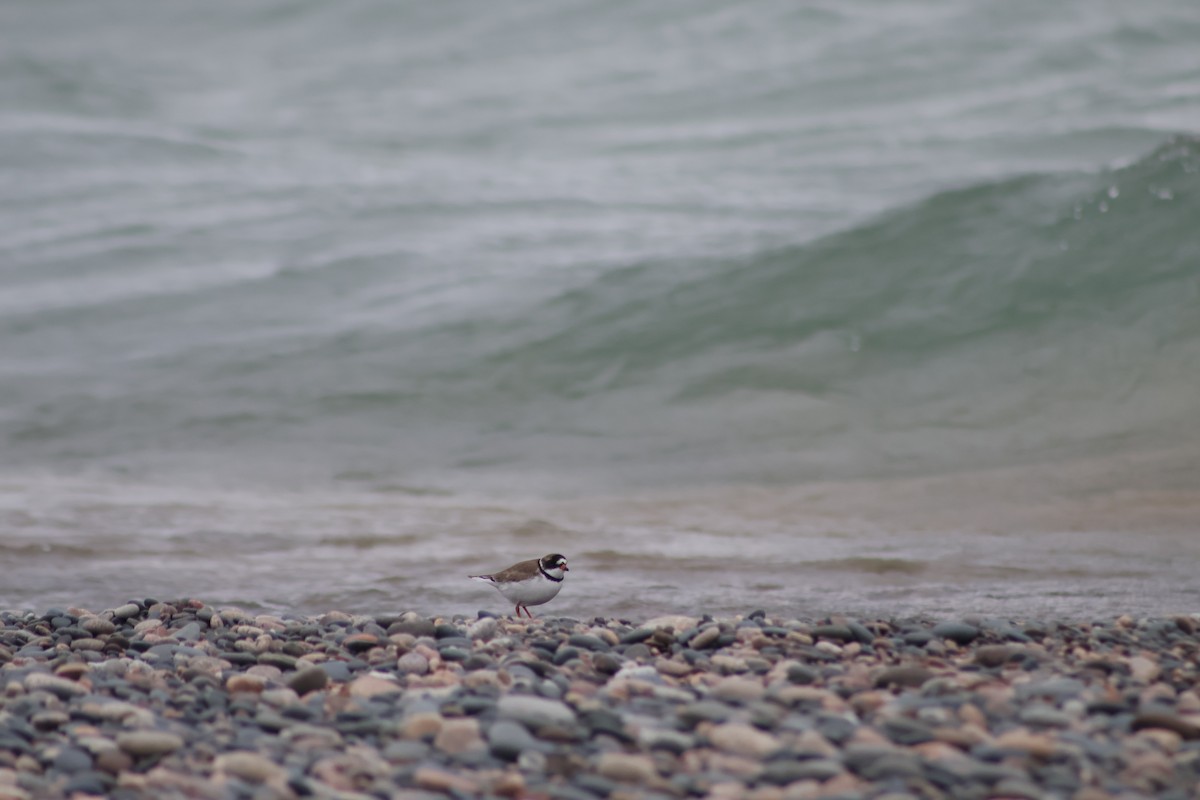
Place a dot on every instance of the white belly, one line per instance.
(532, 592)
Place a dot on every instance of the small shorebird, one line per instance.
(529, 583)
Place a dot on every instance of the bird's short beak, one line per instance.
(564, 568)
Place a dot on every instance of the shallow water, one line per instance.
(946, 546)
(859, 305)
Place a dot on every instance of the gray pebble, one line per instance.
(956, 631)
(126, 611)
(507, 740)
(148, 743)
(308, 679)
(535, 712)
(784, 771)
(72, 759)
(338, 671)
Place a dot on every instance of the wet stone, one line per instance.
(308, 679)
(588, 642)
(704, 711)
(418, 628)
(956, 631)
(455, 654)
(72, 759)
(280, 660)
(910, 676)
(636, 635)
(705, 639)
(88, 783)
(1166, 720)
(801, 675)
(606, 664)
(907, 732)
(148, 743)
(507, 740)
(839, 633)
(1040, 716)
(535, 711)
(126, 611)
(993, 655)
(781, 772)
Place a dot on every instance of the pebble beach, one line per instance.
(181, 700)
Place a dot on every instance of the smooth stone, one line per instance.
(627, 768)
(508, 740)
(188, 633)
(801, 675)
(1045, 717)
(743, 740)
(740, 690)
(280, 660)
(459, 736)
(704, 711)
(338, 671)
(781, 772)
(535, 712)
(596, 785)
(148, 743)
(97, 626)
(993, 655)
(126, 611)
(250, 767)
(588, 642)
(907, 732)
(308, 679)
(89, 783)
(450, 783)
(373, 686)
(456, 654)
(423, 725)
(1166, 721)
(603, 721)
(840, 632)
(360, 642)
(665, 739)
(564, 654)
(412, 663)
(636, 635)
(61, 688)
(1018, 788)
(606, 664)
(72, 759)
(904, 676)
(706, 638)
(243, 682)
(892, 765)
(483, 629)
(1056, 689)
(49, 720)
(416, 627)
(956, 631)
(861, 633)
(406, 751)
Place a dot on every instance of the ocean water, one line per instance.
(861, 307)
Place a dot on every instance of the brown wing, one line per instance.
(517, 572)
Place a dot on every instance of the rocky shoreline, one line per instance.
(180, 700)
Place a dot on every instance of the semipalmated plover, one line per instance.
(529, 583)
